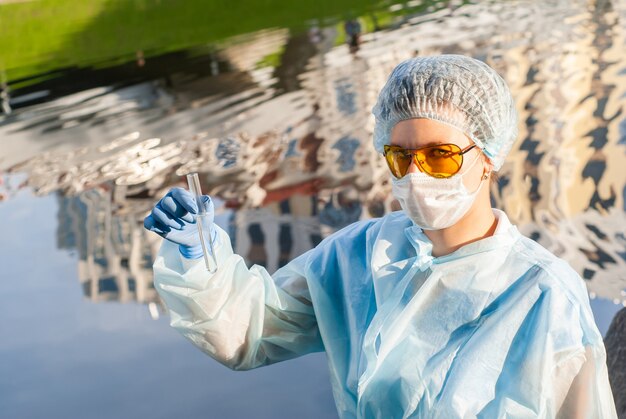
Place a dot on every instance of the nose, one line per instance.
(413, 167)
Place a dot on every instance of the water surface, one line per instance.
(275, 116)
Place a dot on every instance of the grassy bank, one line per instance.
(42, 36)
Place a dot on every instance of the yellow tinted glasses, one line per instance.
(440, 161)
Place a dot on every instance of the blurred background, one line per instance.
(106, 104)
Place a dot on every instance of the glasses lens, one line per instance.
(398, 160)
(442, 160)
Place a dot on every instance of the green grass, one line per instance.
(45, 35)
(271, 60)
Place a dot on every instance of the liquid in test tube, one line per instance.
(194, 187)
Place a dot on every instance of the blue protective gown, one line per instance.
(498, 328)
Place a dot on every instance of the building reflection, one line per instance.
(114, 254)
(287, 145)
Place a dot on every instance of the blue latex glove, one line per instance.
(173, 219)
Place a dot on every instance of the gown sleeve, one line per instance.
(581, 376)
(589, 394)
(243, 318)
(557, 366)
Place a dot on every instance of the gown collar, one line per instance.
(504, 235)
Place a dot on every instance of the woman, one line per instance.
(440, 310)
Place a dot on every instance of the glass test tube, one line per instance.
(194, 187)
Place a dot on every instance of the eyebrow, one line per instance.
(432, 143)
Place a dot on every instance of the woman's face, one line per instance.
(421, 132)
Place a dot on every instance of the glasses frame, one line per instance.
(413, 152)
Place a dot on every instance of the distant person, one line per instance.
(440, 310)
(5, 99)
(352, 28)
(315, 35)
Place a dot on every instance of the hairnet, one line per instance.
(459, 91)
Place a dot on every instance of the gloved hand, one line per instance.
(173, 219)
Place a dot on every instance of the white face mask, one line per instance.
(433, 203)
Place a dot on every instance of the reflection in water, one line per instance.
(280, 131)
(115, 255)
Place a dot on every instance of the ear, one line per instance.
(487, 166)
